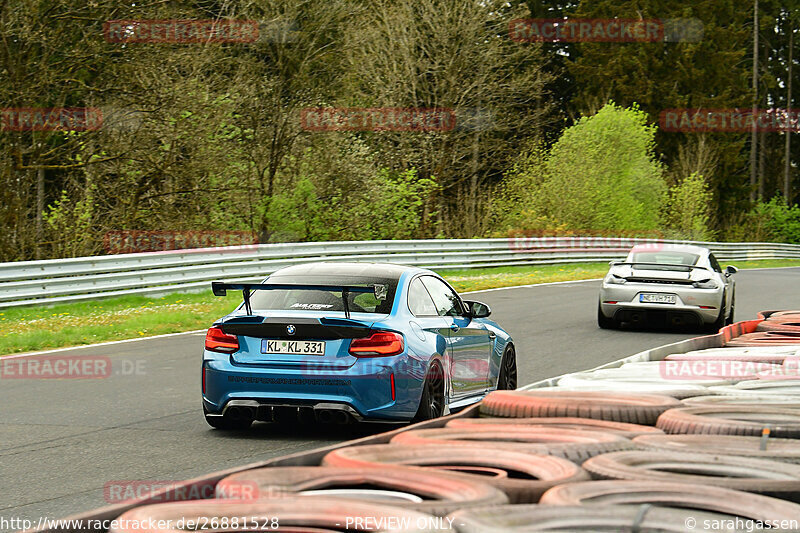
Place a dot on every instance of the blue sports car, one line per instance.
(344, 342)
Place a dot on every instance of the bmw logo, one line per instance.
(290, 329)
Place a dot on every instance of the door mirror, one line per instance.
(477, 309)
(730, 269)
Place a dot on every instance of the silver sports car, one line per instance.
(667, 283)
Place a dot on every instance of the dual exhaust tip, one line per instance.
(675, 320)
(332, 416)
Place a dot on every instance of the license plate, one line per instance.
(658, 298)
(293, 347)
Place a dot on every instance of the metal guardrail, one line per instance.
(87, 278)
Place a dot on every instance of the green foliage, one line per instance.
(601, 174)
(397, 210)
(711, 72)
(515, 207)
(208, 136)
(688, 209)
(771, 221)
(388, 205)
(70, 222)
(293, 214)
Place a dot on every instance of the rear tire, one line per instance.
(507, 379)
(603, 321)
(720, 322)
(431, 404)
(731, 319)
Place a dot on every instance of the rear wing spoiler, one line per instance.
(220, 288)
(685, 268)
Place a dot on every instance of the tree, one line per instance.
(711, 73)
(452, 54)
(601, 174)
(688, 208)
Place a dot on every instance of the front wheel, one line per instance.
(431, 404)
(507, 380)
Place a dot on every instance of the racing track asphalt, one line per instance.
(63, 440)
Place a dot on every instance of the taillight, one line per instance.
(379, 344)
(219, 341)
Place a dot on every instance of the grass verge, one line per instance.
(39, 328)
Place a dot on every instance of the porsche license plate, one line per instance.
(293, 347)
(657, 298)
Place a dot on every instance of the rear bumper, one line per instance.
(272, 411)
(363, 391)
(688, 309)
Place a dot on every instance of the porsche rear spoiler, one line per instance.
(685, 268)
(221, 288)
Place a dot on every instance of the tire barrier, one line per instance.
(783, 315)
(732, 420)
(785, 321)
(785, 450)
(644, 371)
(762, 476)
(615, 407)
(571, 444)
(762, 338)
(616, 518)
(782, 389)
(590, 382)
(522, 476)
(700, 497)
(769, 355)
(427, 491)
(299, 514)
(499, 424)
(712, 374)
(780, 327)
(742, 400)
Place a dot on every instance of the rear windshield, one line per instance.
(324, 301)
(666, 258)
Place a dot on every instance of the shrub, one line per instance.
(601, 174)
(688, 209)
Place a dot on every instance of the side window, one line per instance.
(419, 301)
(446, 301)
(714, 263)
